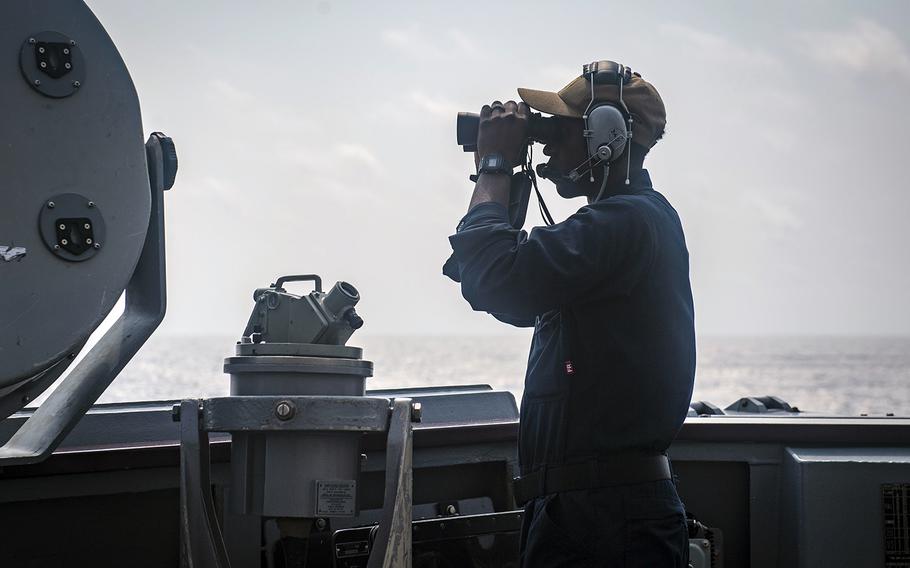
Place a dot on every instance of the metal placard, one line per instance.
(336, 498)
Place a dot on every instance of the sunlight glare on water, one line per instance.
(842, 375)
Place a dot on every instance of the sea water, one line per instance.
(838, 375)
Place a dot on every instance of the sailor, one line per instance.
(612, 361)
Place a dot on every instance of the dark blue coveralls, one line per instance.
(611, 366)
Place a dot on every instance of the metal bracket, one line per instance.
(201, 541)
(305, 413)
(146, 301)
(392, 547)
(29, 390)
(197, 507)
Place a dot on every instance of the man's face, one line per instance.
(567, 150)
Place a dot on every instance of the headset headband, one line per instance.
(606, 72)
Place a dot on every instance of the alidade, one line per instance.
(294, 346)
(317, 318)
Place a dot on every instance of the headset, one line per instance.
(608, 125)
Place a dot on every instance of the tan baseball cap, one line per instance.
(641, 98)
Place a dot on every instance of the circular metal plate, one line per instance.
(72, 227)
(52, 64)
(299, 350)
(320, 365)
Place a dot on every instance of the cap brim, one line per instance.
(545, 101)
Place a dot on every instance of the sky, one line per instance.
(318, 136)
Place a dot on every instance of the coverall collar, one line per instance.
(639, 181)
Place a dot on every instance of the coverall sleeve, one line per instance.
(517, 321)
(602, 249)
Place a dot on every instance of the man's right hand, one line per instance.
(503, 130)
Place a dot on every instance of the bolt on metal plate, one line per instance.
(285, 410)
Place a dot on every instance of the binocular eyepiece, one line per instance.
(541, 129)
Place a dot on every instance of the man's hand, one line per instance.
(503, 130)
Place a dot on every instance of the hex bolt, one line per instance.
(91, 203)
(40, 50)
(705, 544)
(51, 204)
(64, 242)
(416, 412)
(97, 245)
(451, 510)
(72, 42)
(66, 51)
(67, 65)
(43, 65)
(61, 226)
(77, 84)
(86, 226)
(284, 410)
(37, 82)
(88, 241)
(31, 40)
(56, 247)
(321, 524)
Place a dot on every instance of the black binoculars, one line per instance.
(541, 129)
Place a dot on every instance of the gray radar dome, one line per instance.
(80, 219)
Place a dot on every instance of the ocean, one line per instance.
(837, 375)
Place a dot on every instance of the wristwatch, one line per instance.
(494, 164)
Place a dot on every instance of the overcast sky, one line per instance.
(319, 137)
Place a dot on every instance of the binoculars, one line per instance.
(541, 129)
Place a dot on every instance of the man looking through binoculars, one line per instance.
(612, 362)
